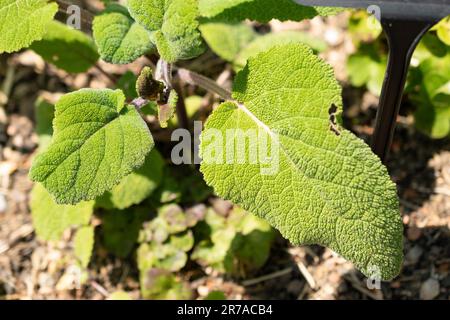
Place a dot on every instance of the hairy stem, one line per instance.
(203, 82)
(139, 103)
(182, 116)
(106, 74)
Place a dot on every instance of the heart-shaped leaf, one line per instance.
(313, 180)
(97, 141)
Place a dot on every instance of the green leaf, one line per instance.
(226, 39)
(193, 106)
(167, 111)
(149, 13)
(367, 68)
(174, 25)
(363, 28)
(216, 252)
(97, 141)
(216, 295)
(50, 219)
(147, 87)
(161, 256)
(443, 30)
(252, 244)
(23, 22)
(135, 187)
(238, 244)
(84, 244)
(182, 241)
(66, 48)
(435, 122)
(271, 40)
(177, 220)
(119, 38)
(432, 97)
(127, 83)
(158, 284)
(121, 230)
(44, 113)
(321, 187)
(434, 45)
(260, 10)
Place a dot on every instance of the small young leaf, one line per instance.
(320, 187)
(226, 39)
(167, 111)
(137, 186)
(149, 13)
(238, 244)
(260, 10)
(271, 40)
(147, 87)
(161, 256)
(84, 244)
(174, 25)
(51, 219)
(97, 141)
(182, 241)
(177, 221)
(23, 22)
(159, 284)
(66, 48)
(120, 40)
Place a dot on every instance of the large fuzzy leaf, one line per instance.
(67, 48)
(174, 25)
(260, 10)
(119, 38)
(97, 141)
(226, 39)
(324, 185)
(270, 40)
(23, 22)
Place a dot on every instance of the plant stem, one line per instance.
(106, 74)
(139, 103)
(182, 116)
(203, 82)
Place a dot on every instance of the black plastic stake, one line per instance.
(403, 37)
(404, 22)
